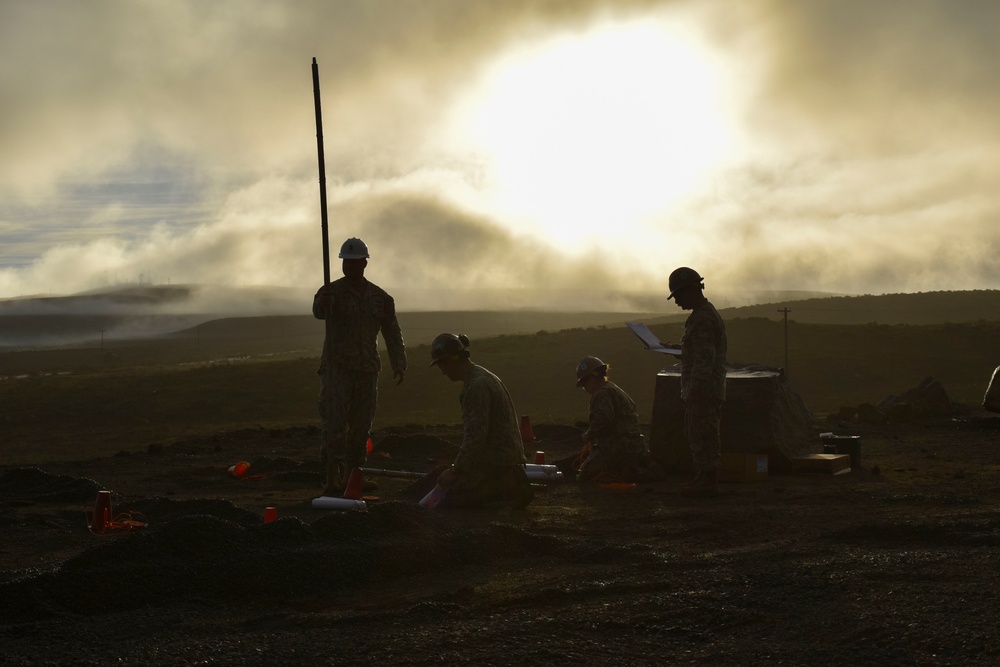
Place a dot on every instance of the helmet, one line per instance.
(448, 345)
(354, 248)
(588, 366)
(681, 278)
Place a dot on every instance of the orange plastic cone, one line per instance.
(353, 489)
(102, 512)
(527, 435)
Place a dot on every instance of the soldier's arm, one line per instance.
(323, 302)
(393, 337)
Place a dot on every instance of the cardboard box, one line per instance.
(843, 444)
(830, 464)
(743, 467)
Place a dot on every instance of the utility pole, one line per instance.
(785, 311)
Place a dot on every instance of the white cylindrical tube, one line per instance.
(528, 467)
(543, 475)
(334, 503)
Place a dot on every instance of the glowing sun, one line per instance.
(586, 136)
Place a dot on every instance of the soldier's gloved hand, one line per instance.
(400, 375)
(326, 299)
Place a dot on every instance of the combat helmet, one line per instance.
(448, 345)
(589, 366)
(681, 278)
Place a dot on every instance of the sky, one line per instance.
(568, 150)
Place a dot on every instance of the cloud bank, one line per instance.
(175, 142)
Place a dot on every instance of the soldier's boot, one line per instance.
(707, 485)
(336, 478)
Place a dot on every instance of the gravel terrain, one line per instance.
(895, 563)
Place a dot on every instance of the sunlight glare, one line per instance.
(589, 133)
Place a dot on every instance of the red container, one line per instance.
(270, 514)
(102, 512)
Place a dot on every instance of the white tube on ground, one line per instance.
(335, 503)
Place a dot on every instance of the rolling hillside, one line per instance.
(116, 405)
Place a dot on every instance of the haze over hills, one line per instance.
(142, 311)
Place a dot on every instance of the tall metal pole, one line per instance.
(785, 311)
(322, 175)
(332, 471)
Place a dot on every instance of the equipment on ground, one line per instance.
(402, 474)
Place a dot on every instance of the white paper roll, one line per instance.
(543, 475)
(537, 467)
(334, 503)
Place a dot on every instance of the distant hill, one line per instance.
(917, 308)
(234, 374)
(279, 314)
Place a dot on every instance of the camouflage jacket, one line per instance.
(490, 433)
(614, 421)
(356, 320)
(703, 355)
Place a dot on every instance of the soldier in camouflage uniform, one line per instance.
(618, 450)
(703, 378)
(489, 467)
(356, 310)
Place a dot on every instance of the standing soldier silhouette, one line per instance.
(356, 310)
(703, 378)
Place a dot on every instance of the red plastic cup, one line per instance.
(270, 514)
(540, 458)
(102, 512)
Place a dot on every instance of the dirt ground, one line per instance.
(895, 563)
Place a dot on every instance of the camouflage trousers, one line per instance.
(702, 425)
(347, 409)
(613, 461)
(488, 484)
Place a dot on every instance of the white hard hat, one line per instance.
(354, 248)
